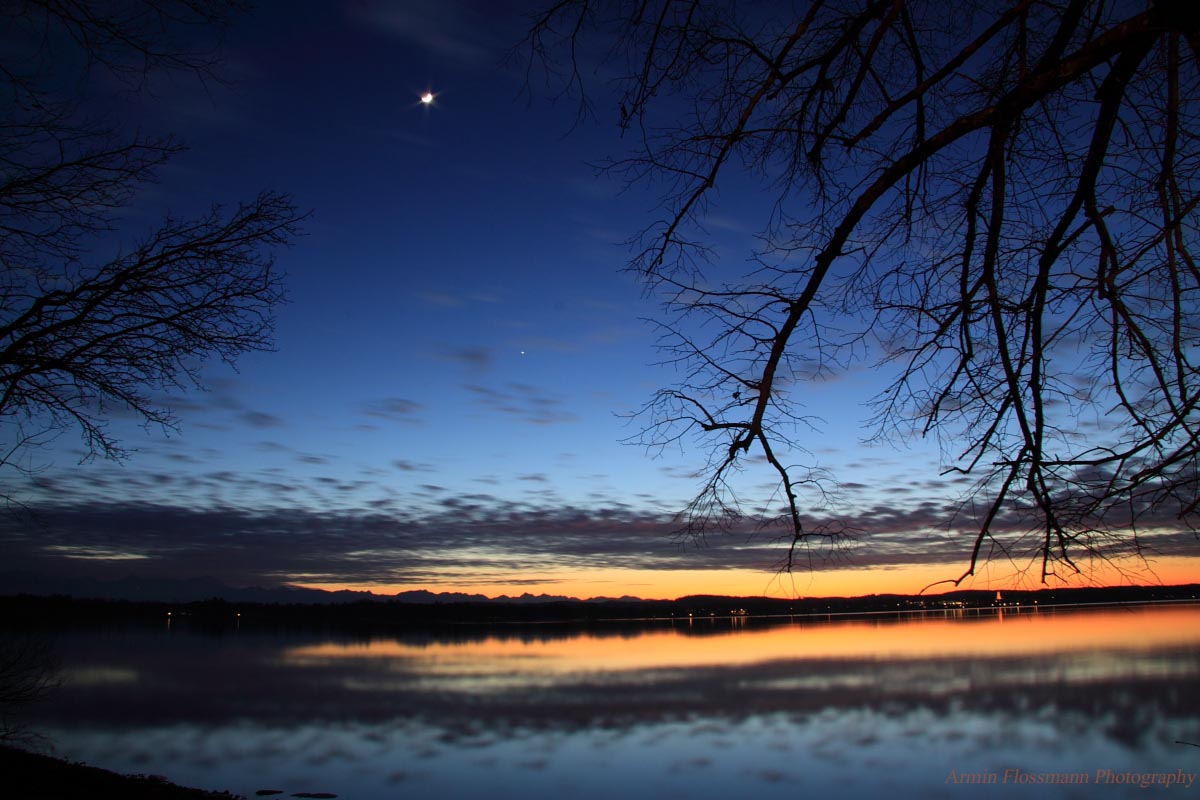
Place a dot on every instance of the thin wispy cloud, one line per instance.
(436, 27)
(394, 409)
(260, 419)
(523, 401)
(404, 465)
(477, 358)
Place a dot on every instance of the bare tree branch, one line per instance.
(83, 336)
(1001, 201)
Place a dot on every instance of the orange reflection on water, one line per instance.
(1026, 633)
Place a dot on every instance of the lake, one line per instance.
(1065, 703)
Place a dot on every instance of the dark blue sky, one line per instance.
(445, 406)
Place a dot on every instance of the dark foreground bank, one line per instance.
(31, 776)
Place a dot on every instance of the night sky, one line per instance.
(460, 353)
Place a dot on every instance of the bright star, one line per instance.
(427, 98)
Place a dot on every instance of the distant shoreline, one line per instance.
(216, 615)
(917, 612)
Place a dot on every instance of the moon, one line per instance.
(427, 98)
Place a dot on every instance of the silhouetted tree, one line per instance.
(28, 673)
(84, 335)
(996, 201)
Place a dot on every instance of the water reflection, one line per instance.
(864, 706)
(884, 637)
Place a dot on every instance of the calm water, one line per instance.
(858, 708)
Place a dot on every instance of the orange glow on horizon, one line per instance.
(842, 582)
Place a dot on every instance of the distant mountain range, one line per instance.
(426, 605)
(188, 590)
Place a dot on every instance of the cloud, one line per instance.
(437, 27)
(395, 409)
(453, 538)
(411, 466)
(260, 419)
(280, 545)
(185, 405)
(523, 401)
(473, 357)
